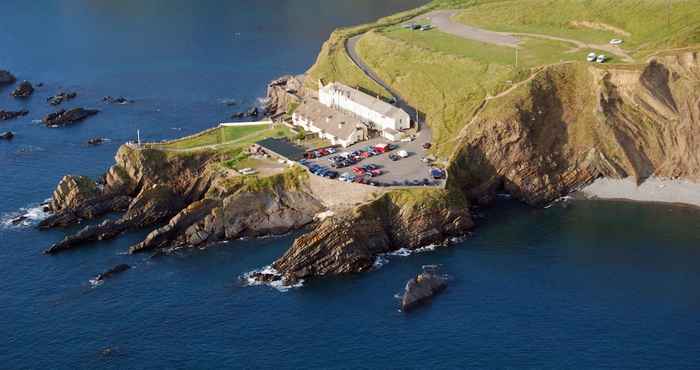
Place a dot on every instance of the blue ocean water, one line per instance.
(578, 285)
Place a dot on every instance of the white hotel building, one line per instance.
(383, 116)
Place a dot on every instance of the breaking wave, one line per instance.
(26, 216)
(249, 279)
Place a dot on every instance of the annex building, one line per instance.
(344, 115)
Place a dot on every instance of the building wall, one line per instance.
(307, 125)
(337, 100)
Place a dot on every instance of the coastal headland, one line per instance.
(523, 113)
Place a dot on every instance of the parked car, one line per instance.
(375, 172)
(359, 171)
(601, 58)
(381, 148)
(332, 150)
(425, 27)
(371, 166)
(616, 42)
(402, 154)
(437, 173)
(591, 57)
(332, 174)
(394, 157)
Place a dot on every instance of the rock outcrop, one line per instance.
(351, 242)
(283, 94)
(118, 100)
(6, 78)
(118, 269)
(420, 289)
(7, 135)
(66, 117)
(23, 90)
(8, 115)
(61, 97)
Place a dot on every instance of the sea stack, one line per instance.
(6, 78)
(24, 90)
(420, 289)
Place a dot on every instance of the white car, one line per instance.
(601, 58)
(616, 42)
(591, 57)
(402, 154)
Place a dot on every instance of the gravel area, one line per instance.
(651, 190)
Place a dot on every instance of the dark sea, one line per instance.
(579, 285)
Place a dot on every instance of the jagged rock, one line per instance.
(61, 97)
(7, 115)
(73, 191)
(119, 100)
(6, 78)
(113, 271)
(18, 220)
(420, 289)
(252, 112)
(351, 242)
(63, 117)
(7, 135)
(238, 115)
(88, 210)
(284, 93)
(24, 90)
(96, 141)
(106, 230)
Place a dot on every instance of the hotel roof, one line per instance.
(366, 100)
(334, 122)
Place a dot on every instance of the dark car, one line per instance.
(427, 146)
(394, 157)
(437, 174)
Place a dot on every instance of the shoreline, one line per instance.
(656, 190)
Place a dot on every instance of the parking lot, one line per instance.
(410, 171)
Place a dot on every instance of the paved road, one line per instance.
(425, 134)
(442, 20)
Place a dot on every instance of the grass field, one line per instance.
(447, 88)
(645, 25)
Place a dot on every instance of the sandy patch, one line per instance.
(601, 27)
(651, 190)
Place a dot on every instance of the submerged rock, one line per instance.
(117, 100)
(24, 90)
(96, 141)
(6, 77)
(420, 289)
(113, 271)
(7, 135)
(65, 117)
(252, 112)
(61, 97)
(7, 115)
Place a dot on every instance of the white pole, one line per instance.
(138, 137)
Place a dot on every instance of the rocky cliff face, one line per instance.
(574, 122)
(351, 242)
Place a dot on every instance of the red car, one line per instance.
(374, 173)
(359, 171)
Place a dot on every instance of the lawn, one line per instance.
(236, 132)
(214, 136)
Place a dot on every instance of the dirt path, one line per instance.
(442, 20)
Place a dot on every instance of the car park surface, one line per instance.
(378, 169)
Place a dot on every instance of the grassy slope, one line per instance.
(445, 87)
(651, 24)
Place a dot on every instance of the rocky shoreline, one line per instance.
(530, 147)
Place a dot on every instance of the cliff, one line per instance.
(572, 123)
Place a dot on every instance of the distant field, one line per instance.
(533, 52)
(645, 25)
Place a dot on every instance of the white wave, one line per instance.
(379, 262)
(26, 216)
(404, 252)
(95, 283)
(249, 279)
(565, 199)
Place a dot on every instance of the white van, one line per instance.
(402, 154)
(591, 57)
(601, 58)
